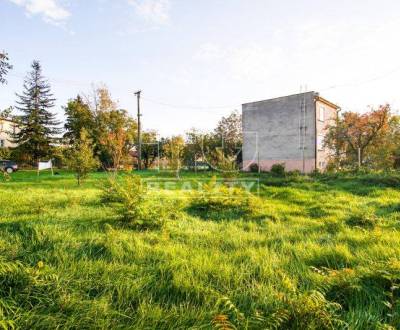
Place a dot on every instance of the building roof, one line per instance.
(317, 98)
(321, 99)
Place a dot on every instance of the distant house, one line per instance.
(289, 130)
(7, 127)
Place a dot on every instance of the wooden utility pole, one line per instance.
(139, 133)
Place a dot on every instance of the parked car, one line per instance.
(8, 166)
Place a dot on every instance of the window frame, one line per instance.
(320, 142)
(321, 110)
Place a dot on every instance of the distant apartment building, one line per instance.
(289, 130)
(7, 127)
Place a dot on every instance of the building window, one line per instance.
(321, 115)
(320, 142)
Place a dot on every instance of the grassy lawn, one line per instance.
(321, 253)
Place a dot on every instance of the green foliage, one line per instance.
(134, 203)
(278, 169)
(38, 125)
(363, 219)
(80, 157)
(226, 165)
(78, 116)
(5, 67)
(254, 168)
(174, 151)
(218, 200)
(5, 153)
(67, 263)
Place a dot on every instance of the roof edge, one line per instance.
(321, 99)
(281, 97)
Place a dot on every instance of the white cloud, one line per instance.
(153, 11)
(50, 10)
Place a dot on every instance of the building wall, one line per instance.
(6, 127)
(271, 132)
(326, 116)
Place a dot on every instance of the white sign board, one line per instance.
(45, 166)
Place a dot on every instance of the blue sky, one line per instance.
(198, 60)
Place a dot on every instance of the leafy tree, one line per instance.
(174, 150)
(150, 148)
(117, 132)
(5, 67)
(38, 125)
(78, 115)
(357, 134)
(229, 131)
(114, 131)
(80, 157)
(193, 147)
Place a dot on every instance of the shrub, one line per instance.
(219, 200)
(278, 169)
(136, 206)
(80, 157)
(254, 168)
(294, 173)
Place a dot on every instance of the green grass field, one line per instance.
(321, 253)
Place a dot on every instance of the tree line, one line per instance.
(96, 131)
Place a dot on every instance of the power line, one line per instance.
(190, 106)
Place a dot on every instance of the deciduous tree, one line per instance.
(78, 116)
(174, 148)
(355, 135)
(80, 157)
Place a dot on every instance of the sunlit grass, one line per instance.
(67, 261)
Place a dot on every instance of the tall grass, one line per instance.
(322, 253)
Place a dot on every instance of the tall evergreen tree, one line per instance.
(5, 66)
(38, 125)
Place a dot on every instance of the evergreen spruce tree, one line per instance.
(38, 126)
(5, 66)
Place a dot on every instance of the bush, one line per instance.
(254, 168)
(136, 206)
(294, 174)
(278, 169)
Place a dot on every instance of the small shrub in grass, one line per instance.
(294, 174)
(254, 168)
(278, 169)
(367, 220)
(219, 200)
(136, 206)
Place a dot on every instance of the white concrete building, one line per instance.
(289, 130)
(7, 127)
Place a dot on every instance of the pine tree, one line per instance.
(38, 126)
(5, 66)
